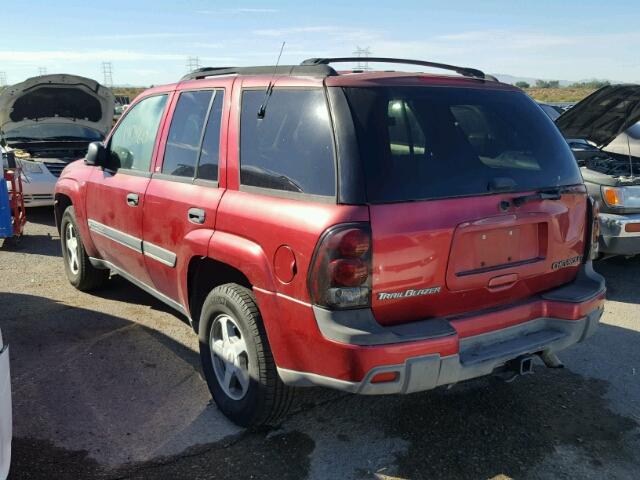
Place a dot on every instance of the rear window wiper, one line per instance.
(550, 194)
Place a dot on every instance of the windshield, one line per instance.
(52, 131)
(436, 142)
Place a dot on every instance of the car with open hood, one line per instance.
(47, 122)
(604, 135)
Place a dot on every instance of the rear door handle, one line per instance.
(132, 199)
(196, 215)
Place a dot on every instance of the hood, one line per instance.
(58, 98)
(603, 115)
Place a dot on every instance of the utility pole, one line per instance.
(42, 71)
(193, 63)
(3, 79)
(362, 53)
(107, 74)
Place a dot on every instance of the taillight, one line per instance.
(340, 273)
(594, 227)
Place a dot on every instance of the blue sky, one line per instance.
(148, 42)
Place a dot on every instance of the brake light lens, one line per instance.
(340, 275)
(351, 272)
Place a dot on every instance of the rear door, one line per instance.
(186, 186)
(116, 194)
(444, 169)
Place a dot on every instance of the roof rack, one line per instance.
(467, 72)
(319, 67)
(319, 70)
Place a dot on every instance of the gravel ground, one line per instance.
(108, 386)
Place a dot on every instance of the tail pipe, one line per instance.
(551, 360)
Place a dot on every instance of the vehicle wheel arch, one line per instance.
(62, 201)
(203, 275)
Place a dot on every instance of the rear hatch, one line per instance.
(475, 199)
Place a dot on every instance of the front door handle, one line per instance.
(132, 199)
(196, 215)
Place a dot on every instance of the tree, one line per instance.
(594, 84)
(547, 84)
(522, 85)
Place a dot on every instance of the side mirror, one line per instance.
(96, 155)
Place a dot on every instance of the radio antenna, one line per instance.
(267, 94)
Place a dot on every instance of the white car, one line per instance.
(5, 411)
(47, 122)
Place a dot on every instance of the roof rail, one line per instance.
(467, 72)
(319, 70)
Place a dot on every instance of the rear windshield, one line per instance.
(435, 142)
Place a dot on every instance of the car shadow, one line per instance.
(93, 390)
(623, 278)
(41, 216)
(89, 380)
(120, 289)
(37, 243)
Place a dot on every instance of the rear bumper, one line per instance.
(5, 413)
(479, 355)
(614, 239)
(350, 348)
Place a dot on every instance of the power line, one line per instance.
(193, 64)
(42, 71)
(362, 53)
(107, 74)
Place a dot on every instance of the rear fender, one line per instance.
(244, 255)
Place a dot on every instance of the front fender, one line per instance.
(194, 244)
(74, 190)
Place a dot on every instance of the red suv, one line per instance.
(374, 232)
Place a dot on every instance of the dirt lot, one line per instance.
(108, 386)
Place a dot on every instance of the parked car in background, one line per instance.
(118, 111)
(372, 232)
(604, 135)
(47, 122)
(550, 110)
(5, 410)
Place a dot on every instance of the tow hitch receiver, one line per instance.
(523, 365)
(514, 368)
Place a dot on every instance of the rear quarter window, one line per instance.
(438, 142)
(291, 148)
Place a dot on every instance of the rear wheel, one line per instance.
(237, 360)
(80, 273)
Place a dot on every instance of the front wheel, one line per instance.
(237, 360)
(80, 273)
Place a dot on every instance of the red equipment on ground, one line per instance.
(16, 201)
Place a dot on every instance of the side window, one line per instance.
(131, 145)
(291, 148)
(183, 143)
(209, 156)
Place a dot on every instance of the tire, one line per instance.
(252, 394)
(80, 273)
